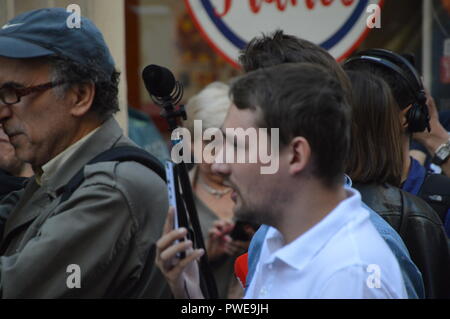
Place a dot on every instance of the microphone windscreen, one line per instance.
(158, 80)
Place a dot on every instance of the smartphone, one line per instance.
(171, 191)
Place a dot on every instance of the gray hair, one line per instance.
(105, 102)
(210, 106)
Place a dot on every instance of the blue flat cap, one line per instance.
(45, 32)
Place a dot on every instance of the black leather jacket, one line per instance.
(420, 228)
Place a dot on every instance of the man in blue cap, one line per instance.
(58, 92)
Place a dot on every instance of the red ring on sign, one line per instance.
(208, 40)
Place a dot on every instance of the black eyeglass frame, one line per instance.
(21, 92)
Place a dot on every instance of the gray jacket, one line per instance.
(108, 228)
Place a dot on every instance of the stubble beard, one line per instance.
(256, 214)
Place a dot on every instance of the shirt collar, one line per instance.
(299, 252)
(52, 167)
(415, 179)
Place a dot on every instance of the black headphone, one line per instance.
(418, 117)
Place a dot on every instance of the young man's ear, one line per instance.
(82, 97)
(403, 117)
(300, 154)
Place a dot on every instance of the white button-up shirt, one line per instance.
(342, 256)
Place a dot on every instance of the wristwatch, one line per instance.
(442, 154)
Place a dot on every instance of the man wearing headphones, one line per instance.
(434, 147)
(408, 91)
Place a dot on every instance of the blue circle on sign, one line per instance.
(327, 44)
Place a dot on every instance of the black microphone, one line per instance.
(161, 85)
(167, 92)
(159, 81)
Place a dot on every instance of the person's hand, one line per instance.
(181, 275)
(239, 247)
(220, 243)
(437, 135)
(218, 238)
(236, 247)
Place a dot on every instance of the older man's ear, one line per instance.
(81, 97)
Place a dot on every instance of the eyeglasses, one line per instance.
(11, 94)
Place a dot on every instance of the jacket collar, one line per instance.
(104, 138)
(101, 140)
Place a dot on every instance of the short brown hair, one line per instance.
(301, 99)
(376, 148)
(278, 48)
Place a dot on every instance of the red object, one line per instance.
(241, 268)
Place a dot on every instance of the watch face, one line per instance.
(443, 153)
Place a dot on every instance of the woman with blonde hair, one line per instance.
(212, 197)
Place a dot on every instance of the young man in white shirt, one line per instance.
(321, 243)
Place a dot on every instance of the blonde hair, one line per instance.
(210, 106)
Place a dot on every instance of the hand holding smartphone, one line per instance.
(171, 191)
